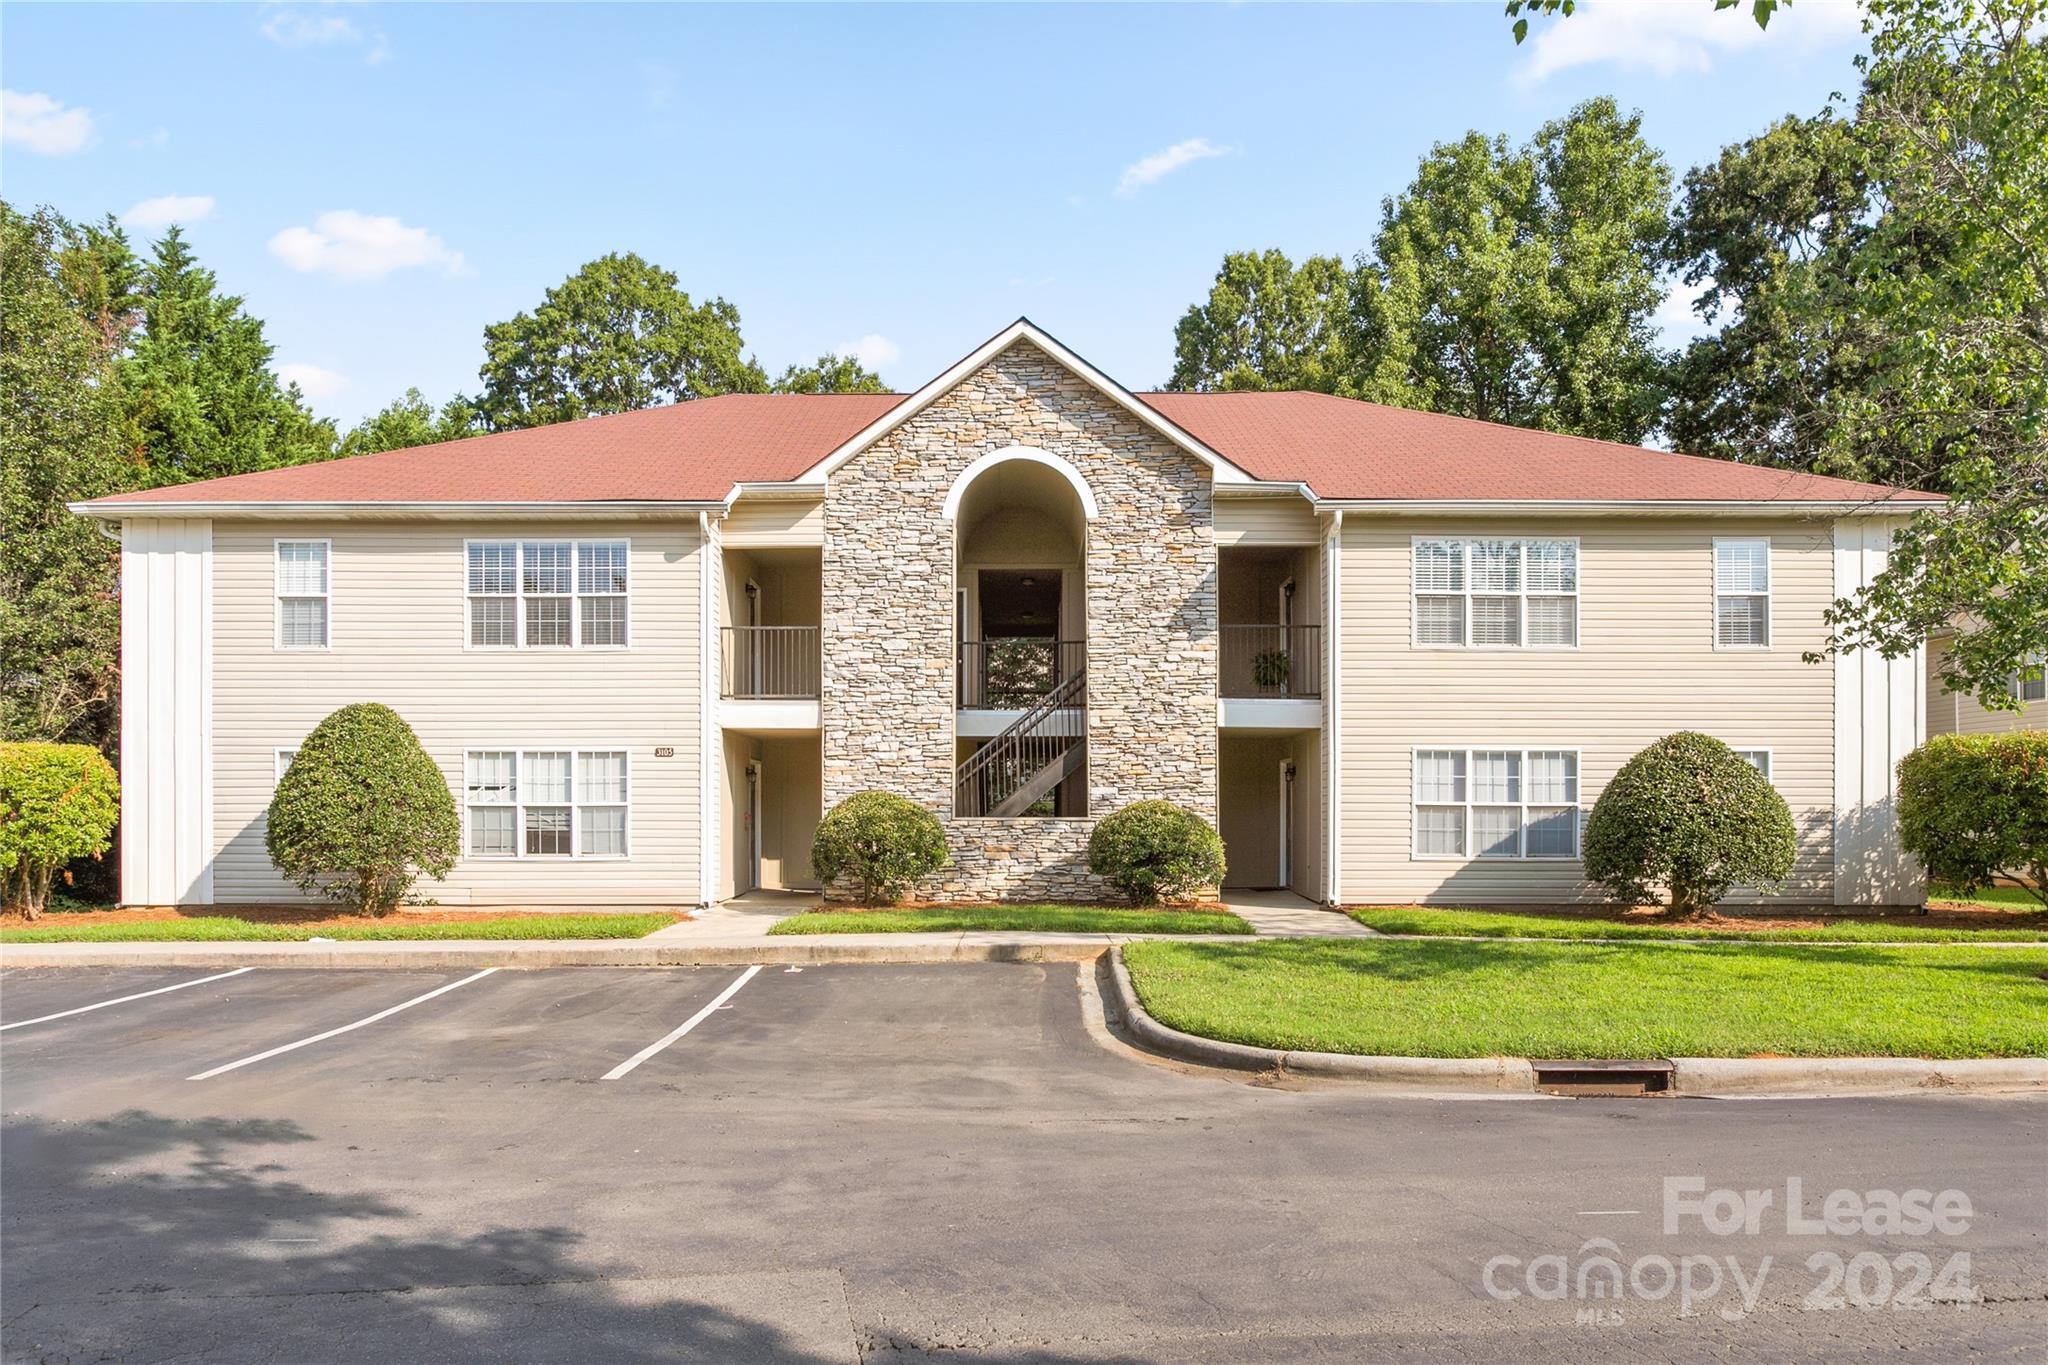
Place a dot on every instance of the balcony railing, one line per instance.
(1272, 661)
(769, 663)
(1009, 675)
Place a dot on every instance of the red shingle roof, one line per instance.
(1340, 448)
(1346, 449)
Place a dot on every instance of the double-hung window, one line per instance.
(1496, 593)
(547, 594)
(300, 576)
(1496, 803)
(1742, 594)
(2031, 682)
(545, 803)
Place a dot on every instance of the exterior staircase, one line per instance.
(1031, 757)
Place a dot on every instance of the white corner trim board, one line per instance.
(1880, 717)
(983, 464)
(710, 732)
(167, 711)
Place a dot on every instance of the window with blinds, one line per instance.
(545, 803)
(547, 594)
(1496, 803)
(1496, 593)
(1742, 594)
(300, 576)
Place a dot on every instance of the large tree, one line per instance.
(198, 393)
(617, 335)
(1517, 284)
(831, 374)
(1954, 121)
(1765, 232)
(410, 421)
(1267, 324)
(59, 442)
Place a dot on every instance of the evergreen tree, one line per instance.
(59, 443)
(200, 397)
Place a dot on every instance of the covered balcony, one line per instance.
(768, 642)
(1270, 656)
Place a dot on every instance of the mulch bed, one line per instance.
(311, 917)
(1940, 915)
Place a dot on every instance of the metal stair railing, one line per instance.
(992, 773)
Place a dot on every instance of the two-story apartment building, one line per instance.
(1394, 655)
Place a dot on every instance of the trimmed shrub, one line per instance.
(1154, 850)
(1689, 816)
(1975, 807)
(881, 842)
(362, 812)
(57, 802)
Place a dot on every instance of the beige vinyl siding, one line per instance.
(1645, 666)
(756, 522)
(1266, 521)
(398, 632)
(1950, 713)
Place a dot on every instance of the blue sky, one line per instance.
(382, 181)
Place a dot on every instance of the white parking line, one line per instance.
(144, 995)
(699, 1017)
(346, 1028)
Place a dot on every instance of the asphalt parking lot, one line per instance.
(870, 1162)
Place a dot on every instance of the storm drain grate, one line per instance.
(1619, 1076)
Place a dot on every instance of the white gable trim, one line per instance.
(1023, 329)
(986, 462)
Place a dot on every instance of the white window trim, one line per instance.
(519, 595)
(1769, 594)
(518, 804)
(1468, 748)
(280, 759)
(1521, 595)
(1770, 767)
(2036, 664)
(277, 593)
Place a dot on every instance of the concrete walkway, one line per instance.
(1282, 914)
(735, 931)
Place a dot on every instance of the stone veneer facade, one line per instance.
(888, 609)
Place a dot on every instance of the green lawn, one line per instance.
(1555, 1000)
(1492, 924)
(225, 928)
(1044, 919)
(2019, 898)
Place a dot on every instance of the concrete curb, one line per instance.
(1512, 1074)
(1847, 1075)
(1705, 1077)
(516, 955)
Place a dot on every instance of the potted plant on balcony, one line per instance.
(1271, 667)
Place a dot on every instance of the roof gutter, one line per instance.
(1786, 507)
(375, 511)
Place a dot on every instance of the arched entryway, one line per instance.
(1020, 531)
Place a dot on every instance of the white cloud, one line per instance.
(314, 381)
(154, 215)
(301, 28)
(356, 246)
(155, 137)
(43, 126)
(1670, 36)
(872, 351)
(1159, 165)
